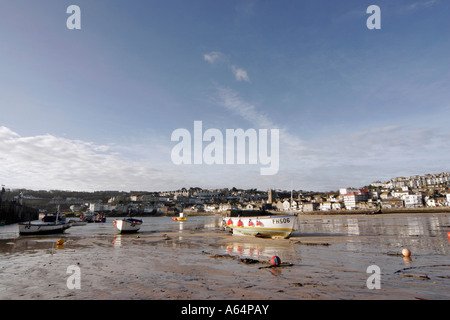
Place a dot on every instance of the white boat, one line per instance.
(265, 227)
(38, 227)
(182, 217)
(128, 225)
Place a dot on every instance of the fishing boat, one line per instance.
(77, 222)
(89, 218)
(100, 218)
(128, 225)
(52, 223)
(265, 227)
(182, 217)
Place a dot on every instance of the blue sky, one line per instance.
(94, 109)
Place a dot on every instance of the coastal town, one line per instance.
(420, 191)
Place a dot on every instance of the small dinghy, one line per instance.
(128, 225)
(182, 217)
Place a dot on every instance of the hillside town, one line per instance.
(430, 190)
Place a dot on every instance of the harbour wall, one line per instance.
(13, 212)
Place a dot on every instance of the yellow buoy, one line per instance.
(60, 242)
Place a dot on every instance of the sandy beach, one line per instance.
(197, 260)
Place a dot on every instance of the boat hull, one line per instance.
(34, 228)
(265, 227)
(179, 218)
(77, 223)
(128, 225)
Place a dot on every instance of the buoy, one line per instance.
(448, 234)
(258, 223)
(230, 222)
(240, 224)
(275, 261)
(60, 242)
(406, 253)
(250, 223)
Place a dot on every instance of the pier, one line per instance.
(13, 212)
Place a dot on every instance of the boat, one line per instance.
(51, 223)
(128, 225)
(266, 227)
(78, 222)
(182, 217)
(89, 218)
(100, 218)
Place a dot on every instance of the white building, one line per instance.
(353, 198)
(412, 200)
(325, 206)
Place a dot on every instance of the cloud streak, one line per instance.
(213, 57)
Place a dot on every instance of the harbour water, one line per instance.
(329, 258)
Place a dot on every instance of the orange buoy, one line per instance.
(448, 234)
(406, 253)
(250, 223)
(258, 223)
(230, 222)
(240, 224)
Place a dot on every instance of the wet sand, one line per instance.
(329, 257)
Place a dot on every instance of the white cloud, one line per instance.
(49, 162)
(213, 57)
(240, 74)
(422, 4)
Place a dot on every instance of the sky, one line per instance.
(95, 108)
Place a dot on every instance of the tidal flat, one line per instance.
(326, 258)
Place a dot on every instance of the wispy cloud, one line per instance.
(240, 74)
(213, 57)
(423, 4)
(292, 147)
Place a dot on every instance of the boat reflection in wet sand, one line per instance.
(128, 225)
(265, 227)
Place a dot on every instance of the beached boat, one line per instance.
(182, 217)
(265, 227)
(100, 218)
(77, 222)
(89, 218)
(128, 225)
(38, 227)
(50, 223)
